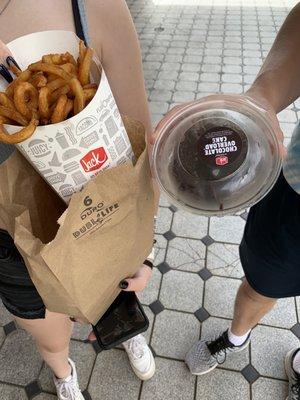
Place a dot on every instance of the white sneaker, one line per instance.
(140, 357)
(68, 388)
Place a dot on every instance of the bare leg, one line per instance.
(250, 307)
(52, 336)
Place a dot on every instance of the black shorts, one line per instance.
(17, 291)
(270, 249)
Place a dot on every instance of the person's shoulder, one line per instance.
(109, 7)
(104, 19)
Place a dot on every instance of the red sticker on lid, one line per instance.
(221, 160)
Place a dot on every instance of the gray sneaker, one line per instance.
(294, 378)
(206, 355)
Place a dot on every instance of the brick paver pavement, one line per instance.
(191, 48)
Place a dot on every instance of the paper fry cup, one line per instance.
(70, 153)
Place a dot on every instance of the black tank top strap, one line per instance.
(78, 21)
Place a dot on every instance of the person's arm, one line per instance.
(113, 35)
(114, 38)
(278, 81)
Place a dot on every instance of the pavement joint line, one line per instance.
(40, 371)
(250, 362)
(160, 284)
(296, 308)
(12, 384)
(141, 390)
(92, 371)
(181, 70)
(145, 14)
(3, 340)
(218, 317)
(221, 367)
(210, 269)
(197, 239)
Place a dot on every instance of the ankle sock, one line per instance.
(237, 340)
(296, 362)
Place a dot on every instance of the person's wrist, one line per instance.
(263, 92)
(262, 98)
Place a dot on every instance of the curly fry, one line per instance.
(57, 58)
(58, 92)
(50, 90)
(68, 108)
(26, 99)
(55, 84)
(50, 69)
(59, 109)
(13, 115)
(89, 93)
(38, 80)
(52, 58)
(82, 50)
(84, 67)
(68, 58)
(90, 86)
(77, 89)
(69, 67)
(36, 114)
(5, 120)
(6, 101)
(47, 58)
(44, 101)
(23, 77)
(51, 77)
(18, 137)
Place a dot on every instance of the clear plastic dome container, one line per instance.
(217, 155)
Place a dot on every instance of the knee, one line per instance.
(253, 296)
(53, 347)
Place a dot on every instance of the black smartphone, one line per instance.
(124, 319)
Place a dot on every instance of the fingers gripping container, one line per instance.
(216, 156)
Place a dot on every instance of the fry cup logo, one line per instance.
(94, 160)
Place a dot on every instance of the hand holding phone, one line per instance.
(124, 319)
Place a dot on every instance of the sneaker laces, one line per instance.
(136, 346)
(219, 347)
(68, 390)
(295, 388)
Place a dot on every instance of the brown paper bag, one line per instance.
(103, 236)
